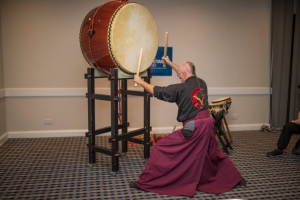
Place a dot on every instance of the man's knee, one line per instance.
(289, 125)
(287, 130)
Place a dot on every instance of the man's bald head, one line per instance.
(188, 67)
(186, 70)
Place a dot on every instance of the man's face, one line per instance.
(182, 74)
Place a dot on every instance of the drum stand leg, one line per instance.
(228, 132)
(147, 128)
(222, 133)
(114, 121)
(91, 117)
(147, 119)
(221, 141)
(124, 115)
(223, 128)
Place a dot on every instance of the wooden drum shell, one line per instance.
(95, 56)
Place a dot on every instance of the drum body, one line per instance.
(113, 34)
(216, 108)
(226, 100)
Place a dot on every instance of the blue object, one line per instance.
(157, 68)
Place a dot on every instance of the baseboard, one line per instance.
(3, 138)
(246, 127)
(44, 133)
(2, 93)
(81, 132)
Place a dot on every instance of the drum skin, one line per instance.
(225, 99)
(97, 42)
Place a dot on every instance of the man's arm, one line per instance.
(168, 61)
(168, 94)
(148, 87)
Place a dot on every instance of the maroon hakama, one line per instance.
(178, 166)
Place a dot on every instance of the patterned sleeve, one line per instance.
(169, 93)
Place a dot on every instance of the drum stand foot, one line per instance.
(113, 173)
(226, 129)
(90, 165)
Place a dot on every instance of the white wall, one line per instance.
(228, 41)
(3, 134)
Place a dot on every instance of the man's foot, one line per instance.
(242, 183)
(133, 184)
(276, 152)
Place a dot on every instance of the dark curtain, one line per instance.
(282, 43)
(295, 78)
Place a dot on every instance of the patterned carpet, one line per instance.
(56, 168)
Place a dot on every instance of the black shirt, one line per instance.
(189, 97)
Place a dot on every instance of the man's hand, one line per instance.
(137, 79)
(169, 62)
(166, 59)
(147, 86)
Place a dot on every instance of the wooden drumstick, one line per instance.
(174, 128)
(139, 65)
(166, 48)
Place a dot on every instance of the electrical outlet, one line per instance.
(234, 116)
(47, 121)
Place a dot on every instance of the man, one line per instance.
(189, 158)
(288, 130)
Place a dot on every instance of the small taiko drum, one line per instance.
(226, 100)
(113, 34)
(216, 108)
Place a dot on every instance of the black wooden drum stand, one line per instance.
(219, 131)
(115, 137)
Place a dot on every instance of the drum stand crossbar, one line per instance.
(115, 137)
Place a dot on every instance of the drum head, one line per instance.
(217, 104)
(221, 100)
(133, 28)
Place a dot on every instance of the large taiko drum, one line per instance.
(113, 34)
(226, 100)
